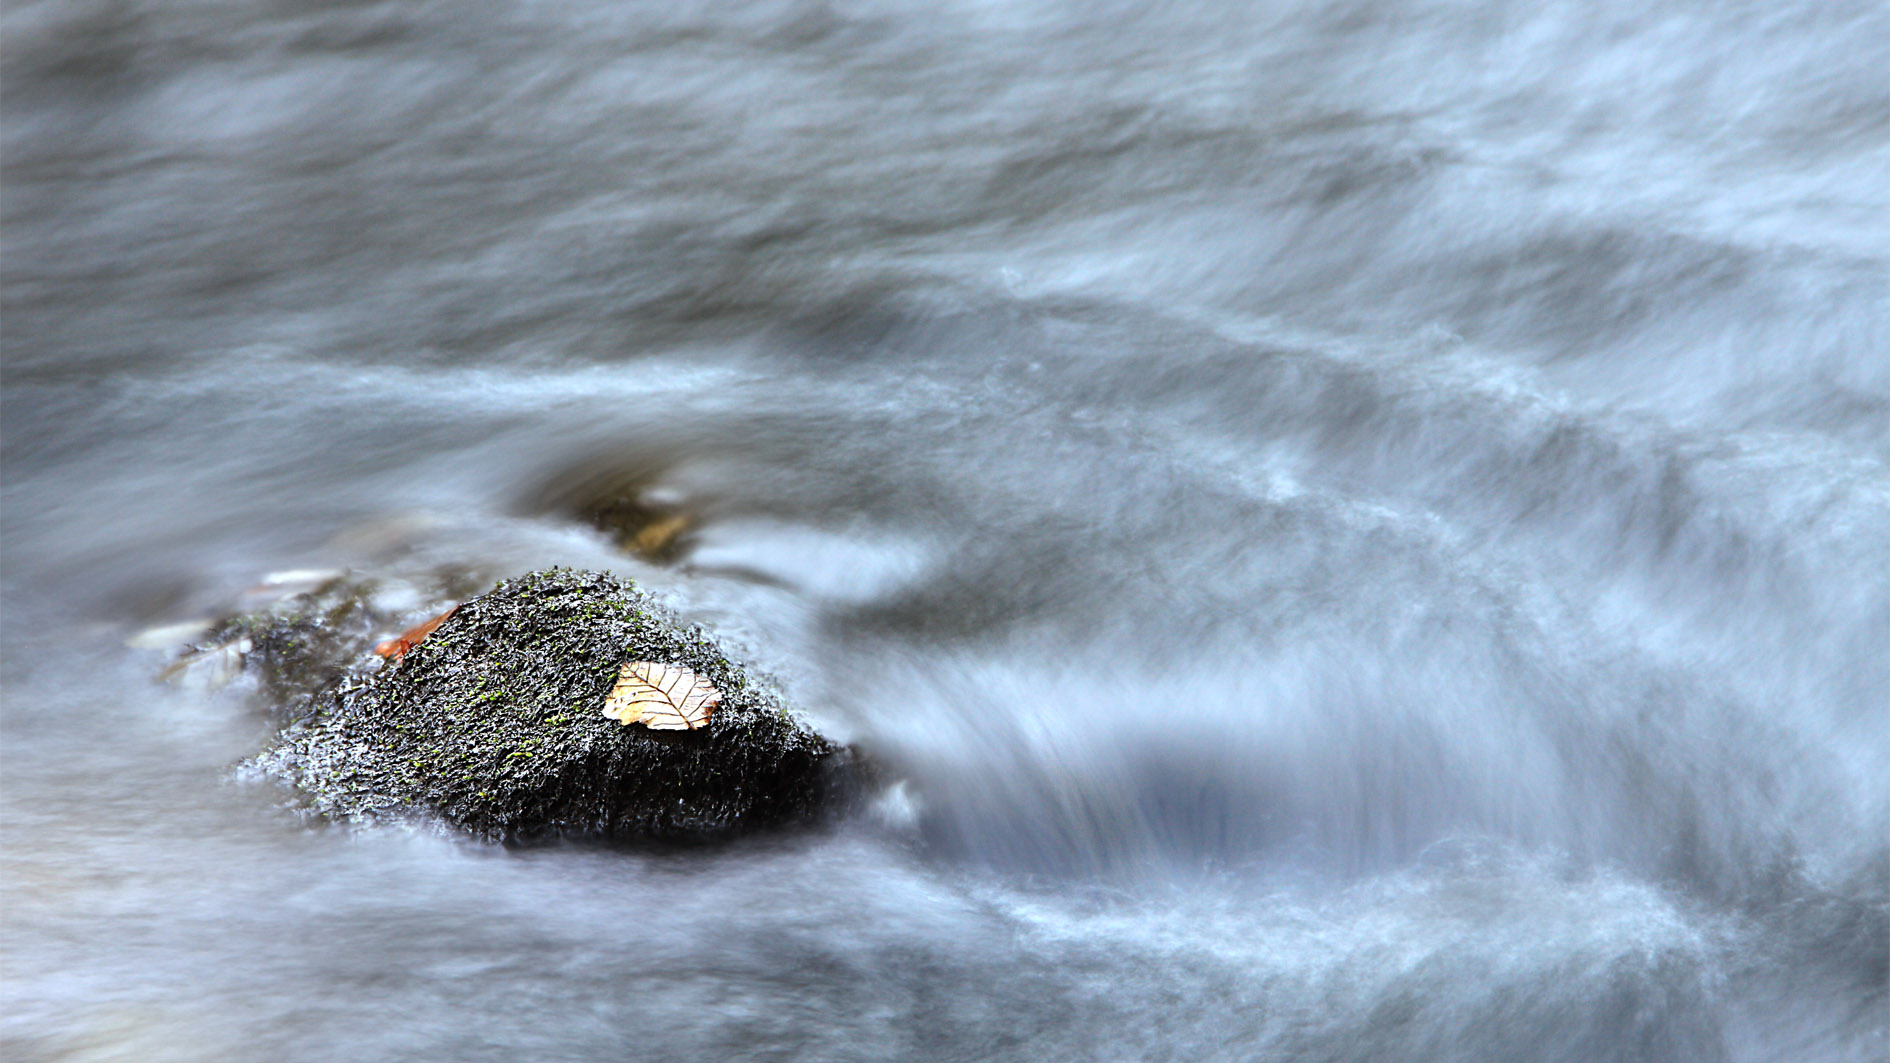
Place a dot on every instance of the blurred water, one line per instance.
(1362, 527)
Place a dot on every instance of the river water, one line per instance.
(1361, 529)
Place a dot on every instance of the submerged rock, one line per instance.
(627, 501)
(298, 643)
(494, 723)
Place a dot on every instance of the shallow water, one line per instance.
(1362, 529)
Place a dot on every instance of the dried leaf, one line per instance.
(663, 697)
(395, 649)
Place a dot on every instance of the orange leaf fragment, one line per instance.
(662, 697)
(396, 648)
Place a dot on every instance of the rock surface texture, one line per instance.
(494, 723)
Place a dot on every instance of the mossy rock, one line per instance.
(494, 724)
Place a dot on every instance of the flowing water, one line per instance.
(1361, 528)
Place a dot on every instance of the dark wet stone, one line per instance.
(301, 646)
(494, 725)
